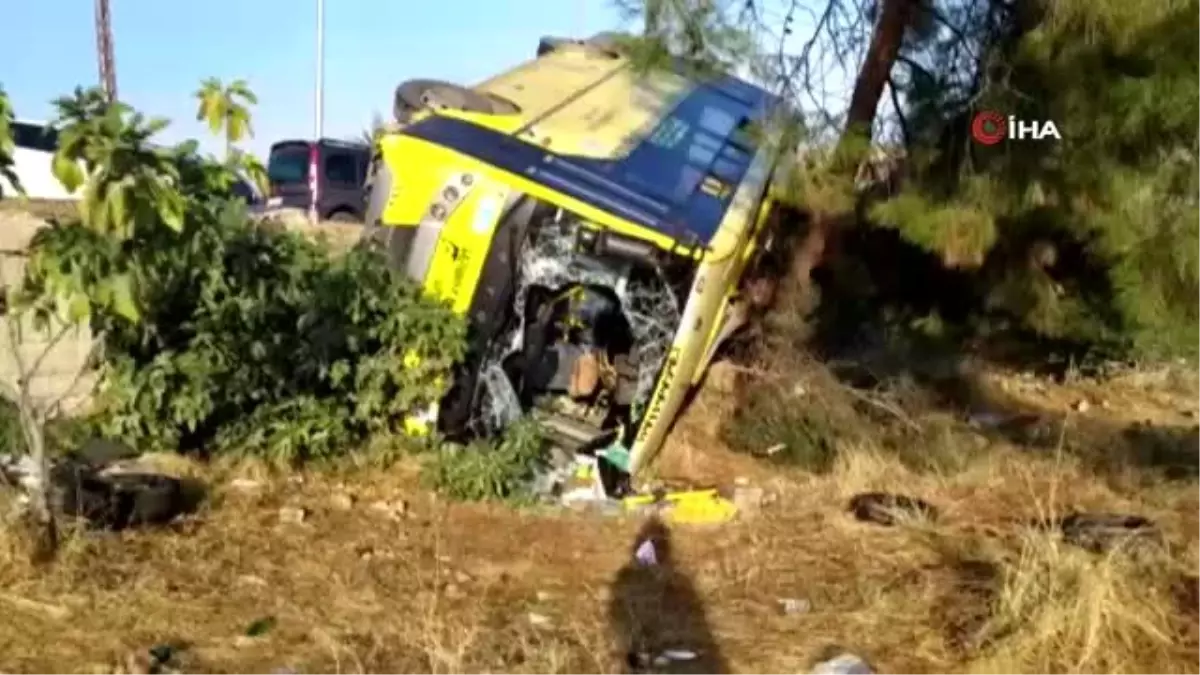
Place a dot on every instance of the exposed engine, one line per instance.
(594, 317)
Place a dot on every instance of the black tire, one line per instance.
(144, 499)
(117, 501)
(343, 217)
(415, 95)
(883, 508)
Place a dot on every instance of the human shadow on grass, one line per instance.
(656, 614)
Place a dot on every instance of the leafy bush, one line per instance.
(485, 471)
(222, 335)
(259, 340)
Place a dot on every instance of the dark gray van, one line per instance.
(342, 171)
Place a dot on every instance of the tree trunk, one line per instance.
(33, 429)
(894, 18)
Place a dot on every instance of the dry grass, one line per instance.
(450, 587)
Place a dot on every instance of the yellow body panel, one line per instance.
(415, 184)
(578, 101)
(715, 277)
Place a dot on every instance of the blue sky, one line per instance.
(164, 48)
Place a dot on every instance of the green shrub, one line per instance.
(501, 470)
(784, 428)
(230, 337)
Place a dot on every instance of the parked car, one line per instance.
(343, 170)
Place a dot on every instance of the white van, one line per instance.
(32, 162)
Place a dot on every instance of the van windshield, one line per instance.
(288, 165)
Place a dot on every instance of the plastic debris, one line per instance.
(646, 554)
(540, 620)
(843, 664)
(692, 507)
(679, 654)
(617, 455)
(793, 606)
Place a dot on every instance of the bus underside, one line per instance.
(571, 324)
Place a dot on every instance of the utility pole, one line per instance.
(104, 50)
(314, 154)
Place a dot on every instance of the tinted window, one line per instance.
(288, 165)
(699, 138)
(341, 169)
(34, 137)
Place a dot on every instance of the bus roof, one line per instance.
(676, 180)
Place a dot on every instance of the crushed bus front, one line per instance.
(595, 232)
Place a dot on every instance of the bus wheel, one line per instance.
(416, 95)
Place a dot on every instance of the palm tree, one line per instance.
(226, 109)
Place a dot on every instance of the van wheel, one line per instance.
(415, 95)
(343, 217)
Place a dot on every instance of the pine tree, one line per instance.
(1091, 239)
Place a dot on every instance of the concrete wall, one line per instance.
(61, 375)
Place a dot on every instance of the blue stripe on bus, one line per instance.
(658, 184)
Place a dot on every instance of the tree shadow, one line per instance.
(656, 613)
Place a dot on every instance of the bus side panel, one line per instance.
(463, 246)
(749, 245)
(418, 169)
(714, 276)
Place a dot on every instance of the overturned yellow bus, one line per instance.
(594, 224)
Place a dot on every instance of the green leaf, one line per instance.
(123, 302)
(260, 627)
(78, 308)
(67, 171)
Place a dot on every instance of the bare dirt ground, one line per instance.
(428, 586)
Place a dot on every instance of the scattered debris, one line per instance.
(580, 482)
(639, 661)
(342, 501)
(887, 509)
(749, 500)
(293, 515)
(794, 606)
(1102, 532)
(692, 507)
(775, 449)
(646, 553)
(987, 420)
(843, 664)
(1081, 406)
(461, 577)
(245, 484)
(544, 596)
(679, 654)
(539, 620)
(395, 509)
